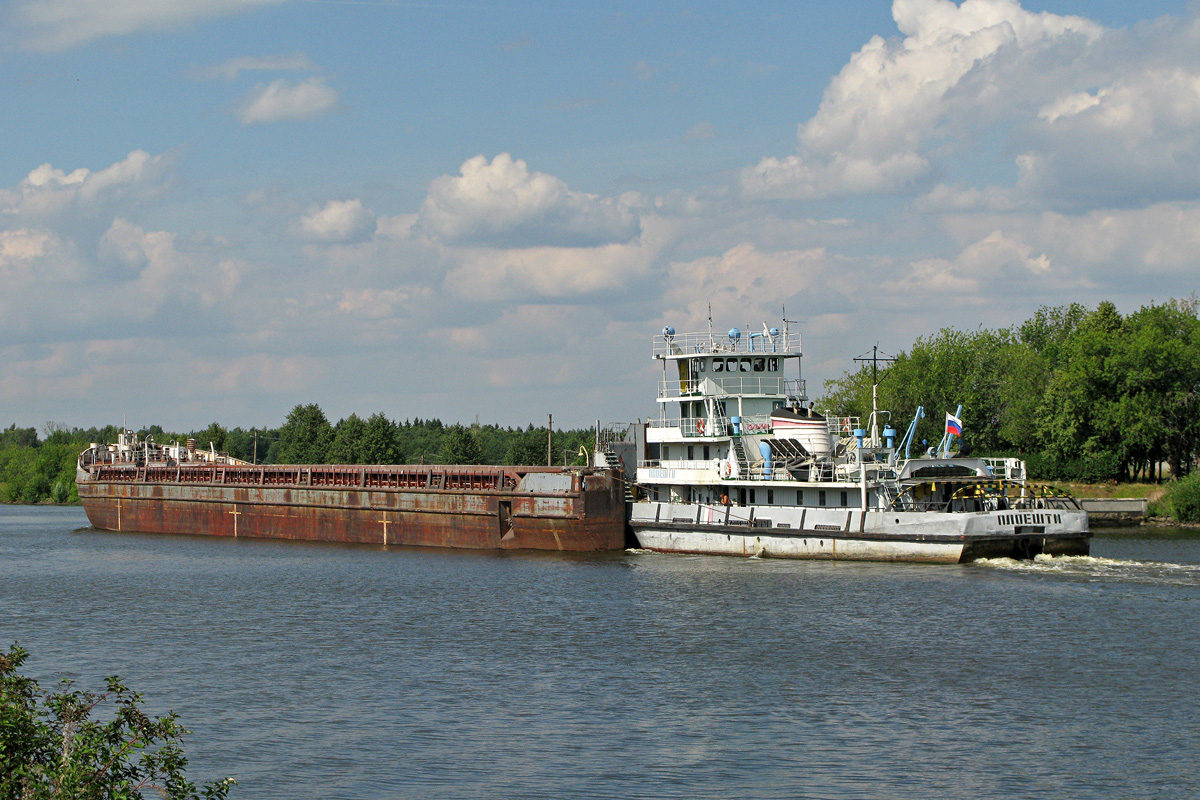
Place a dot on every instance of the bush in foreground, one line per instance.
(51, 747)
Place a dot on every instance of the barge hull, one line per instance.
(551, 511)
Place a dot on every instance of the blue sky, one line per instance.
(217, 209)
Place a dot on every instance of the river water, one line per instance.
(334, 671)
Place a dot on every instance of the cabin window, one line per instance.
(772, 365)
(751, 497)
(799, 497)
(744, 365)
(706, 452)
(821, 497)
(701, 365)
(718, 365)
(731, 365)
(845, 500)
(691, 456)
(770, 496)
(666, 452)
(760, 364)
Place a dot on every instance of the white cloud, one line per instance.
(284, 100)
(374, 303)
(530, 273)
(503, 203)
(1127, 247)
(742, 280)
(945, 198)
(23, 246)
(27, 256)
(296, 62)
(48, 190)
(398, 227)
(62, 24)
(338, 221)
(879, 116)
(1133, 141)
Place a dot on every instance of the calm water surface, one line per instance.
(327, 671)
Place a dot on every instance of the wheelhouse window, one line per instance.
(760, 364)
(772, 365)
(744, 365)
(731, 365)
(718, 365)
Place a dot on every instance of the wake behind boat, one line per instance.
(739, 462)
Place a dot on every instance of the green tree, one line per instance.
(211, 437)
(347, 441)
(380, 441)
(459, 447)
(527, 448)
(51, 747)
(13, 436)
(305, 436)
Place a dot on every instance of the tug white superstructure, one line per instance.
(738, 462)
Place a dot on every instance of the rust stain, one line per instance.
(431, 506)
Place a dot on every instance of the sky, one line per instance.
(215, 210)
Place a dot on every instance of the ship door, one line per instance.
(506, 521)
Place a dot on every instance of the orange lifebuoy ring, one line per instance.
(726, 470)
(700, 427)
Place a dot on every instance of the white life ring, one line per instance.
(726, 469)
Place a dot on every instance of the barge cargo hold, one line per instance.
(127, 488)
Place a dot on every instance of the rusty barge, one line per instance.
(144, 487)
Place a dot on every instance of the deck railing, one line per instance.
(705, 343)
(725, 386)
(411, 476)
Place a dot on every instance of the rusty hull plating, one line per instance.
(481, 507)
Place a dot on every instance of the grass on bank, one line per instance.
(1178, 500)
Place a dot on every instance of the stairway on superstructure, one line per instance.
(614, 463)
(742, 460)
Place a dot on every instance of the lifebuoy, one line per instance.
(700, 427)
(726, 470)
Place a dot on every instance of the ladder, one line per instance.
(612, 462)
(740, 452)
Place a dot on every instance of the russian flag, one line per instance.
(953, 424)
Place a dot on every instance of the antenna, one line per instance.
(875, 358)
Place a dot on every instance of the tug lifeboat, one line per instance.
(808, 428)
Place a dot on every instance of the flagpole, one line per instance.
(947, 437)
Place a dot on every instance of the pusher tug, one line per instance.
(739, 462)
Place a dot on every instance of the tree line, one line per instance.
(1081, 395)
(35, 469)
